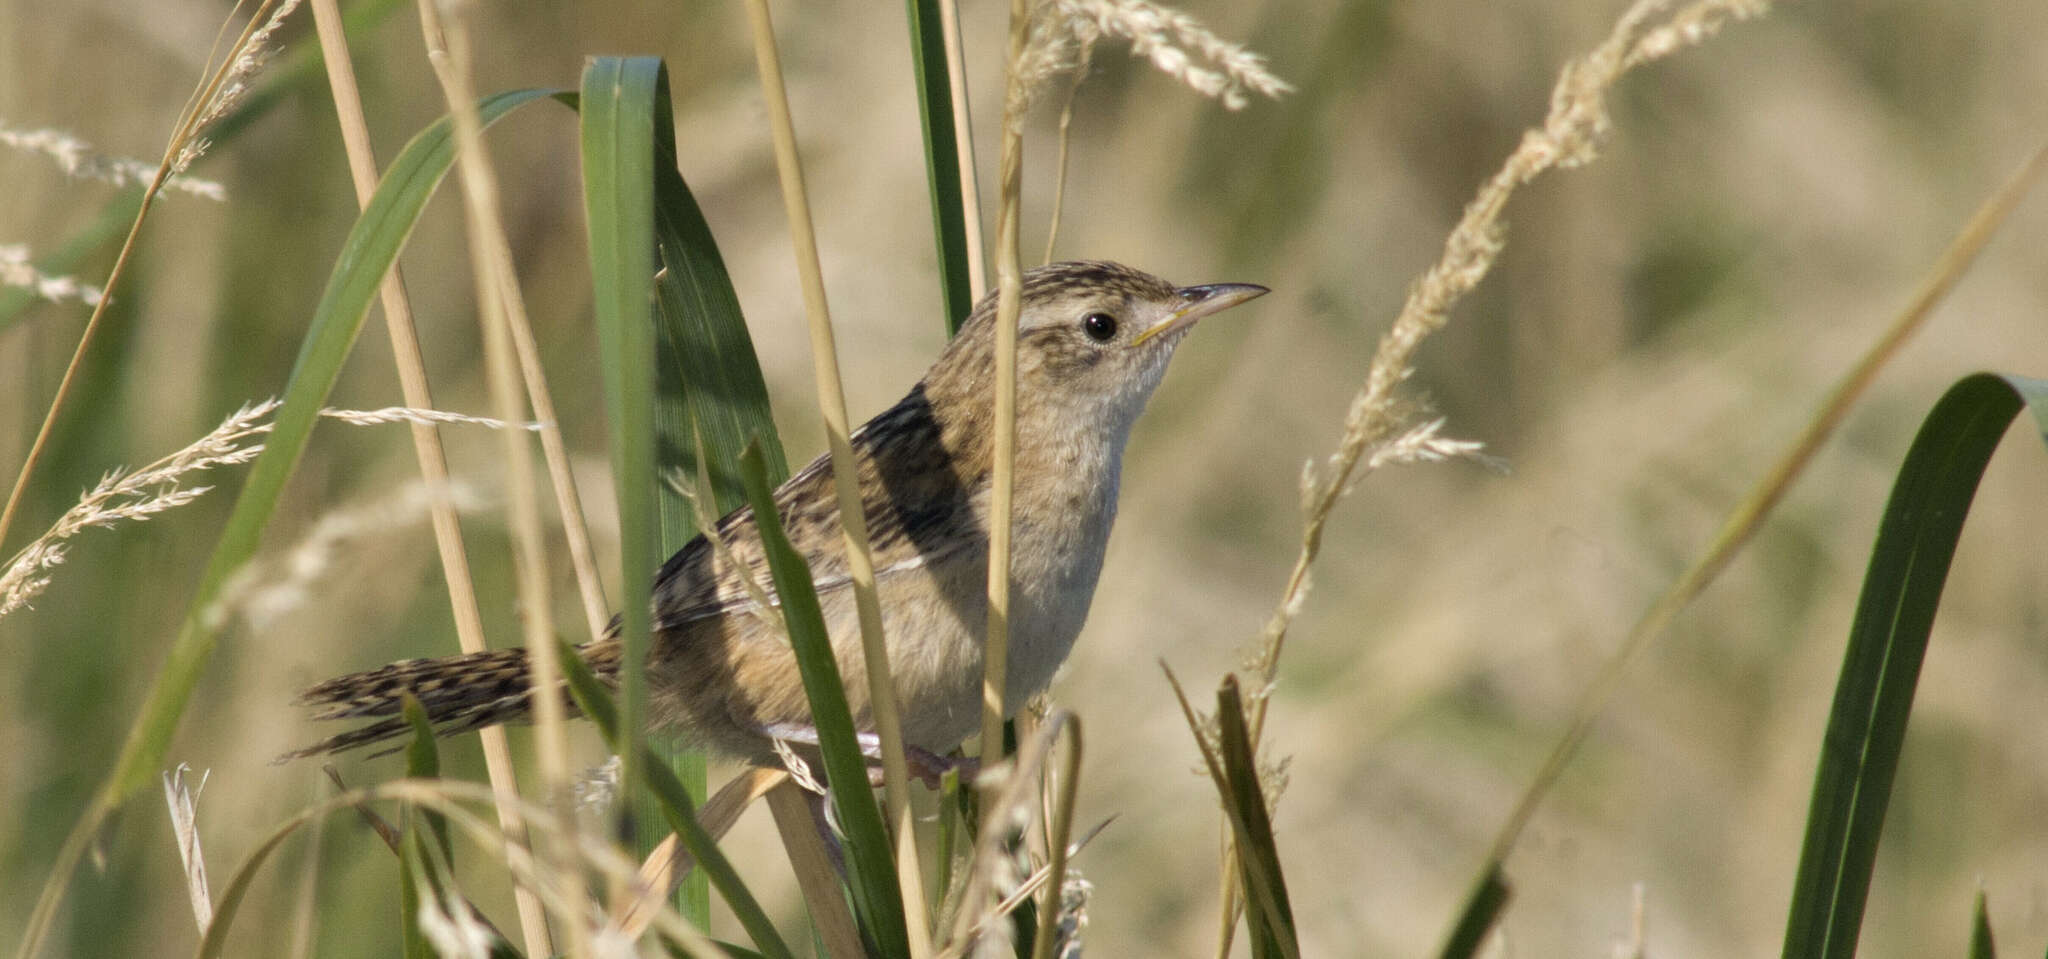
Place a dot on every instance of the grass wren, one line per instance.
(1093, 340)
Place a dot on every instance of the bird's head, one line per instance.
(1093, 339)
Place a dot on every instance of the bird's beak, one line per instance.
(1200, 301)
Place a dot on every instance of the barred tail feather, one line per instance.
(460, 693)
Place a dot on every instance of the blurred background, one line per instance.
(1659, 327)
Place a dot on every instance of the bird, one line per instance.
(1093, 341)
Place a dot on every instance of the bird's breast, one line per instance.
(1060, 533)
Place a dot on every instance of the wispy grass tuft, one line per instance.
(1064, 32)
(264, 592)
(1378, 429)
(17, 271)
(124, 496)
(183, 800)
(77, 158)
(186, 142)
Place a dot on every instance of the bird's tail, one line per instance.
(460, 693)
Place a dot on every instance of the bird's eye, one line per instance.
(1099, 326)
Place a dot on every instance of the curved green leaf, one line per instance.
(1887, 642)
(1267, 914)
(618, 114)
(1482, 909)
(709, 394)
(870, 868)
(677, 356)
(372, 245)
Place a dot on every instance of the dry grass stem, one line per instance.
(963, 125)
(555, 456)
(1008, 793)
(183, 800)
(558, 890)
(1638, 944)
(78, 159)
(1003, 455)
(1060, 825)
(498, 298)
(1375, 424)
(669, 863)
(412, 378)
(1036, 881)
(860, 564)
(1059, 181)
(305, 911)
(817, 878)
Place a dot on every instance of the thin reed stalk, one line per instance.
(1059, 182)
(1009, 302)
(845, 482)
(448, 50)
(670, 863)
(426, 437)
(963, 127)
(1059, 827)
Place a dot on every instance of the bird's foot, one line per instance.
(929, 767)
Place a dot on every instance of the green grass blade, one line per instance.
(941, 158)
(708, 379)
(1981, 946)
(618, 98)
(681, 811)
(1887, 641)
(423, 761)
(229, 902)
(1482, 909)
(710, 397)
(411, 879)
(870, 866)
(678, 357)
(1269, 915)
(372, 246)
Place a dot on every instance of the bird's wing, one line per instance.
(919, 514)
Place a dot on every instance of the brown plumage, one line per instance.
(1093, 341)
